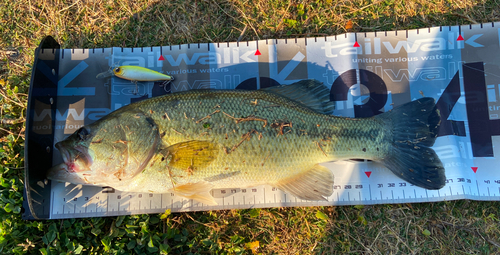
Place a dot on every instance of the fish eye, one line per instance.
(117, 70)
(82, 133)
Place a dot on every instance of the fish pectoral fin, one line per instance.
(199, 191)
(191, 155)
(314, 184)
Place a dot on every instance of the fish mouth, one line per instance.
(64, 153)
(77, 158)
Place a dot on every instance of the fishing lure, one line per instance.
(135, 74)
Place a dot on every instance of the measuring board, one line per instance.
(367, 74)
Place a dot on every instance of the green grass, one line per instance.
(455, 227)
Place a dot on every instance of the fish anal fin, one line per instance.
(191, 155)
(314, 184)
(199, 191)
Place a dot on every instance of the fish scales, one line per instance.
(237, 139)
(291, 152)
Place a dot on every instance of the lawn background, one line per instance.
(454, 227)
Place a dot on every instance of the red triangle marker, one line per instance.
(368, 174)
(460, 38)
(474, 168)
(257, 53)
(356, 44)
(161, 58)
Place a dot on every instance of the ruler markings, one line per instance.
(477, 185)
(370, 191)
(113, 203)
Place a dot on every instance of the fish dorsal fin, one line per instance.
(315, 184)
(191, 155)
(199, 191)
(311, 93)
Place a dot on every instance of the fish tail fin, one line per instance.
(415, 127)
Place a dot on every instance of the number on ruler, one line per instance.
(497, 181)
(380, 185)
(391, 185)
(347, 186)
(402, 184)
(487, 181)
(359, 186)
(460, 179)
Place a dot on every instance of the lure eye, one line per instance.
(82, 133)
(117, 70)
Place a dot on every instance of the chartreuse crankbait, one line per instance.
(135, 74)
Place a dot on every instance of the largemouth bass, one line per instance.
(191, 142)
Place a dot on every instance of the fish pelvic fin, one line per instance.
(314, 184)
(199, 191)
(415, 127)
(191, 155)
